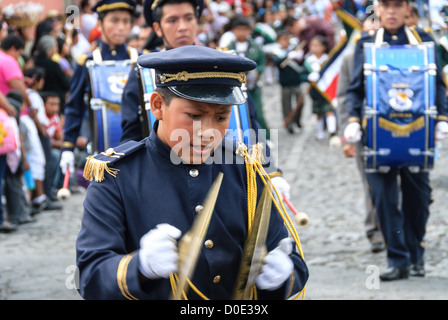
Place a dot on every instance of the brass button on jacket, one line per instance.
(208, 244)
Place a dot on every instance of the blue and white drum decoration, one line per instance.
(146, 87)
(108, 79)
(400, 106)
(240, 125)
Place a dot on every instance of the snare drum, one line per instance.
(400, 106)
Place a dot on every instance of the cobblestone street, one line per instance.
(37, 261)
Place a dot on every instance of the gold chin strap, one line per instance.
(253, 160)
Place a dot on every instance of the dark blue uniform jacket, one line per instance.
(148, 190)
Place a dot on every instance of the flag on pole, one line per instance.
(329, 73)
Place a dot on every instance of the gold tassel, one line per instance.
(251, 177)
(257, 153)
(94, 169)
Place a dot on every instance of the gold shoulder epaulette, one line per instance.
(427, 29)
(97, 165)
(81, 60)
(416, 35)
(68, 144)
(353, 119)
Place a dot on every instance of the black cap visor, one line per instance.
(215, 94)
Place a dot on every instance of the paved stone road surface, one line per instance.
(37, 261)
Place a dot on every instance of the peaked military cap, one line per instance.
(200, 73)
(149, 6)
(108, 5)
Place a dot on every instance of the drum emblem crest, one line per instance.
(400, 99)
(117, 82)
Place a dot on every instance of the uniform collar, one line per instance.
(388, 37)
(403, 36)
(158, 146)
(118, 53)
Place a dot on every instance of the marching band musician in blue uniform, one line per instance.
(403, 226)
(152, 190)
(116, 20)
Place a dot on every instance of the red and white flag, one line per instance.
(329, 73)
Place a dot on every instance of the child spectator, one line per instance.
(52, 105)
(291, 75)
(35, 80)
(36, 159)
(321, 107)
(54, 131)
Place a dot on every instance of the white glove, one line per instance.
(158, 251)
(313, 76)
(67, 160)
(296, 55)
(352, 132)
(441, 130)
(277, 267)
(281, 185)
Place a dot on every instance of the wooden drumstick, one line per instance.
(64, 193)
(301, 218)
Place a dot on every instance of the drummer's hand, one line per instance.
(441, 130)
(67, 161)
(281, 185)
(352, 132)
(349, 150)
(296, 55)
(158, 251)
(277, 267)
